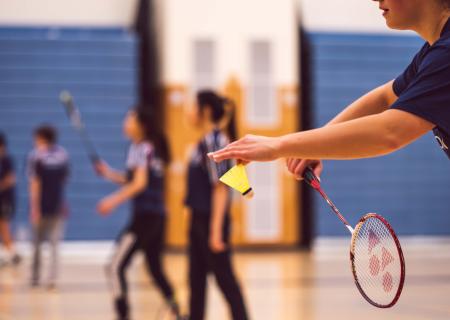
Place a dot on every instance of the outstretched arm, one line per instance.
(374, 102)
(126, 192)
(104, 170)
(365, 137)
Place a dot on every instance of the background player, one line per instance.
(143, 183)
(7, 203)
(48, 170)
(209, 203)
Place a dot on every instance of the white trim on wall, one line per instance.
(68, 12)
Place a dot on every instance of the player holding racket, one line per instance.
(385, 119)
(144, 185)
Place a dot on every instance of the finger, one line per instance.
(288, 162)
(318, 170)
(294, 164)
(243, 162)
(300, 169)
(236, 143)
(230, 153)
(217, 154)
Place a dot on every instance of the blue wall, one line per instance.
(410, 187)
(98, 67)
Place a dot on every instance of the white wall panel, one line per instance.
(67, 12)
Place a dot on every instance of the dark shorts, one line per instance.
(6, 211)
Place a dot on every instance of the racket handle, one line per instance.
(311, 178)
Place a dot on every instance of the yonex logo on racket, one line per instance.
(375, 265)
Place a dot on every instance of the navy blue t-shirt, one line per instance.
(204, 173)
(424, 87)
(151, 200)
(51, 168)
(6, 168)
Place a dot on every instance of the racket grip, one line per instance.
(311, 178)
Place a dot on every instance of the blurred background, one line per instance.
(289, 64)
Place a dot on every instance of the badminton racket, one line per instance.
(376, 256)
(74, 116)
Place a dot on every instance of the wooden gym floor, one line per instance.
(288, 285)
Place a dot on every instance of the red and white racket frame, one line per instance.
(400, 254)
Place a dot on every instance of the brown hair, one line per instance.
(47, 132)
(221, 107)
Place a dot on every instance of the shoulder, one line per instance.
(143, 147)
(61, 152)
(139, 153)
(437, 56)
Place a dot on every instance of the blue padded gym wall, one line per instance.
(410, 187)
(98, 67)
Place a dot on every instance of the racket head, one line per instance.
(72, 112)
(377, 261)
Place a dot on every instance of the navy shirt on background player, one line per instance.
(204, 173)
(424, 87)
(51, 167)
(151, 200)
(7, 197)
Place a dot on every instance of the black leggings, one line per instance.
(146, 233)
(202, 261)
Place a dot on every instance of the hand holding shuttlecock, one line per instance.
(236, 178)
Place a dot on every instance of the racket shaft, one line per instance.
(75, 119)
(92, 153)
(314, 182)
(335, 210)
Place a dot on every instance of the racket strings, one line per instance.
(377, 264)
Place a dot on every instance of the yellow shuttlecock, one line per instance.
(236, 178)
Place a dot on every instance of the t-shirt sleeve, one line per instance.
(404, 79)
(139, 156)
(213, 144)
(427, 95)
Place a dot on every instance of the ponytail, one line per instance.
(230, 127)
(223, 111)
(152, 134)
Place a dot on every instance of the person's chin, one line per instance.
(393, 25)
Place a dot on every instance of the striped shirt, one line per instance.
(151, 200)
(51, 168)
(204, 173)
